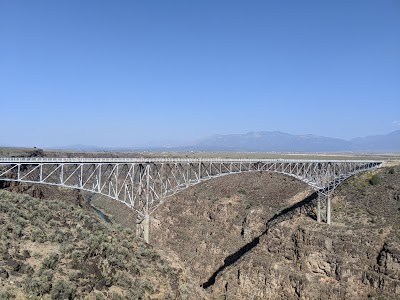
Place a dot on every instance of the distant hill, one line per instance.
(283, 142)
(80, 147)
(272, 141)
(379, 143)
(267, 141)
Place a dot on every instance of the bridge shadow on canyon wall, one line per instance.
(305, 206)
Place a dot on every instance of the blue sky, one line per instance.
(123, 73)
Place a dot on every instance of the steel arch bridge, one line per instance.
(143, 184)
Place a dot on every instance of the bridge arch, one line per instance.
(144, 184)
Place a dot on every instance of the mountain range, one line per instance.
(277, 141)
(270, 141)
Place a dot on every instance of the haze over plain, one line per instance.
(131, 73)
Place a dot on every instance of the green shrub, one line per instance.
(7, 295)
(96, 245)
(46, 275)
(248, 205)
(27, 269)
(62, 290)
(242, 191)
(74, 276)
(77, 258)
(116, 296)
(375, 180)
(146, 252)
(57, 237)
(392, 171)
(38, 236)
(37, 286)
(147, 285)
(66, 248)
(123, 279)
(50, 262)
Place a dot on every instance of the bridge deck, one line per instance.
(172, 160)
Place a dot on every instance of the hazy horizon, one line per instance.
(165, 143)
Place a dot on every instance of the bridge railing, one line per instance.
(168, 160)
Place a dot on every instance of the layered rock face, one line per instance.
(244, 237)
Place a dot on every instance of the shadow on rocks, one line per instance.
(304, 206)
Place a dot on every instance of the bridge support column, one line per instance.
(324, 206)
(146, 228)
(328, 209)
(319, 208)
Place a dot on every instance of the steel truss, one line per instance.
(143, 184)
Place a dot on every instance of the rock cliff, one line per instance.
(254, 236)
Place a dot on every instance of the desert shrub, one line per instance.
(38, 236)
(27, 269)
(147, 285)
(124, 251)
(375, 180)
(63, 290)
(7, 295)
(184, 289)
(17, 231)
(117, 260)
(57, 237)
(126, 243)
(132, 267)
(99, 295)
(74, 276)
(53, 224)
(95, 244)
(4, 207)
(37, 220)
(50, 262)
(77, 257)
(12, 230)
(79, 214)
(21, 221)
(6, 232)
(37, 286)
(123, 279)
(146, 252)
(242, 191)
(66, 248)
(392, 171)
(129, 232)
(116, 296)
(167, 269)
(46, 275)
(4, 247)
